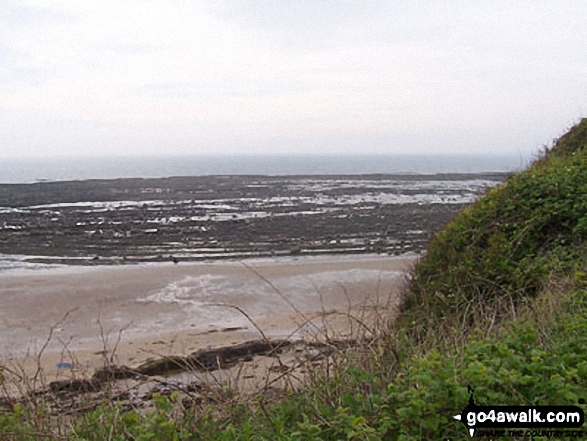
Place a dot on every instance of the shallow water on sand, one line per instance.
(146, 300)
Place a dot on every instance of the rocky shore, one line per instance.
(193, 218)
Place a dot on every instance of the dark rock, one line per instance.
(163, 366)
(211, 359)
(227, 356)
(110, 373)
(76, 385)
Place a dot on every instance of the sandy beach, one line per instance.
(136, 312)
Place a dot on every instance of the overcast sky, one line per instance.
(311, 76)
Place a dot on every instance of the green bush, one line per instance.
(502, 248)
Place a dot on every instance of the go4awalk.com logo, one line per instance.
(522, 420)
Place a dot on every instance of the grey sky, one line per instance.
(189, 77)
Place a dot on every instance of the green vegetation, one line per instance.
(497, 303)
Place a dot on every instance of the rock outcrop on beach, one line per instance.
(135, 387)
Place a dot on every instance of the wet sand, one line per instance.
(128, 314)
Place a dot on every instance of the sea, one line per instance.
(29, 170)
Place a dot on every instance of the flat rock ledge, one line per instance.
(202, 360)
(109, 383)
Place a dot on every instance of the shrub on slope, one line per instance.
(497, 253)
(499, 302)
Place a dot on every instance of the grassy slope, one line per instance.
(498, 303)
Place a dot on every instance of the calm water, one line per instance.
(59, 169)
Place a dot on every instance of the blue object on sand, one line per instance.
(63, 365)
